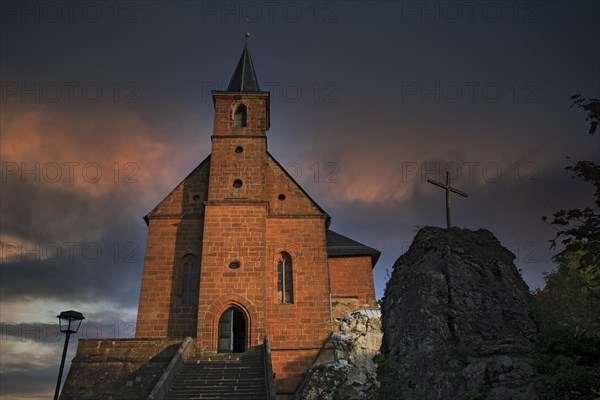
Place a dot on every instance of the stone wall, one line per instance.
(352, 285)
(257, 105)
(174, 231)
(117, 369)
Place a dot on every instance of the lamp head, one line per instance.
(70, 321)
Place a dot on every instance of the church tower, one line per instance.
(233, 256)
(264, 259)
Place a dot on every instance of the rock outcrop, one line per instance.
(456, 321)
(354, 373)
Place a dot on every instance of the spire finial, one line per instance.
(247, 34)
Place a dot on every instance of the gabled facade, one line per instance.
(239, 251)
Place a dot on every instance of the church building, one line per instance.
(238, 250)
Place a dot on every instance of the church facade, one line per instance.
(238, 250)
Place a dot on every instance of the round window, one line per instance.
(237, 183)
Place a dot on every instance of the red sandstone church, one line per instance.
(239, 251)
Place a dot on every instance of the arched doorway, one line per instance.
(232, 331)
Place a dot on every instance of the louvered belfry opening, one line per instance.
(240, 116)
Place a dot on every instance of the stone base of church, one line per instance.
(117, 368)
(292, 365)
(131, 368)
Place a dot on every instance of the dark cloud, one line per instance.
(107, 270)
(58, 245)
(29, 382)
(34, 376)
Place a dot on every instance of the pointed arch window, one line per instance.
(285, 285)
(239, 117)
(191, 280)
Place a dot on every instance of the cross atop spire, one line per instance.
(244, 76)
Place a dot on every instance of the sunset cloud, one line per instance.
(90, 156)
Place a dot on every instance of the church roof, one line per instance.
(342, 246)
(244, 76)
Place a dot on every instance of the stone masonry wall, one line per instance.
(174, 231)
(233, 232)
(298, 330)
(256, 104)
(351, 284)
(117, 369)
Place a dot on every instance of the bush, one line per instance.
(567, 312)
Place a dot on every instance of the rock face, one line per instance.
(456, 321)
(354, 373)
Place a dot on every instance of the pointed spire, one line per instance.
(244, 77)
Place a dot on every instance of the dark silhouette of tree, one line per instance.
(592, 107)
(579, 229)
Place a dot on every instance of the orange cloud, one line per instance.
(381, 173)
(96, 157)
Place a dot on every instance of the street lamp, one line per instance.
(69, 322)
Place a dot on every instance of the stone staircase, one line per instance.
(221, 377)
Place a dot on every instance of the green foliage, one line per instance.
(565, 380)
(378, 358)
(579, 229)
(567, 311)
(568, 318)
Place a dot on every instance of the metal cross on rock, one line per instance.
(448, 189)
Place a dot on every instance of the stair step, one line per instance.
(241, 396)
(220, 377)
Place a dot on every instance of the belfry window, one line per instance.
(239, 117)
(191, 280)
(285, 286)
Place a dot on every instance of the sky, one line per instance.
(106, 106)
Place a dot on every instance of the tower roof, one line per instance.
(244, 76)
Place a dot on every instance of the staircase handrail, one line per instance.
(269, 376)
(161, 389)
(304, 381)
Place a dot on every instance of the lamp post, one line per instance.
(69, 323)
